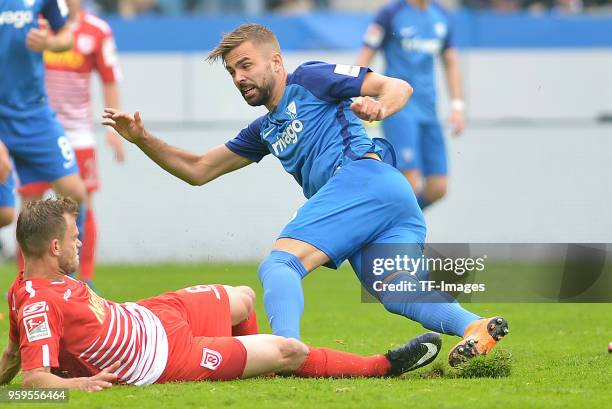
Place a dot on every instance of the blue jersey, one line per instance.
(411, 39)
(312, 131)
(22, 85)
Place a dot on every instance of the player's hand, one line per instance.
(126, 125)
(116, 144)
(37, 38)
(457, 121)
(102, 380)
(368, 109)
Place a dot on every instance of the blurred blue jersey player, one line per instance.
(314, 128)
(411, 34)
(28, 127)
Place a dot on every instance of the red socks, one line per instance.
(246, 327)
(88, 251)
(329, 363)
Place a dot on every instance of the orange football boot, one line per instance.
(479, 338)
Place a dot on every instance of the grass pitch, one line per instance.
(559, 357)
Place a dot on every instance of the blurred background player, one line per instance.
(68, 80)
(7, 186)
(28, 127)
(411, 33)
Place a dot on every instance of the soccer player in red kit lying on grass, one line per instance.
(63, 335)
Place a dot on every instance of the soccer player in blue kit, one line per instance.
(28, 127)
(354, 198)
(411, 33)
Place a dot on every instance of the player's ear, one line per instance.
(55, 247)
(277, 62)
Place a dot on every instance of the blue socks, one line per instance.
(281, 277)
(435, 310)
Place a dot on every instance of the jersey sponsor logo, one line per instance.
(210, 359)
(37, 307)
(288, 137)
(68, 59)
(350, 70)
(37, 327)
(96, 305)
(423, 45)
(17, 19)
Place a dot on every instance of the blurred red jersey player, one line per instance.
(68, 82)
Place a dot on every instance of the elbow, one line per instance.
(407, 89)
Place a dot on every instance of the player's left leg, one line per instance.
(434, 163)
(88, 170)
(242, 310)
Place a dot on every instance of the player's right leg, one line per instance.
(269, 353)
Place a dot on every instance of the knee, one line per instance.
(72, 188)
(247, 296)
(292, 352)
(437, 190)
(7, 214)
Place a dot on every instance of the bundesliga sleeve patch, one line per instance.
(210, 359)
(350, 70)
(37, 327)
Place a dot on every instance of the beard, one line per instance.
(69, 265)
(258, 95)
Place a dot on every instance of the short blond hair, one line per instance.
(255, 33)
(42, 221)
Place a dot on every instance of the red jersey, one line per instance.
(64, 325)
(68, 73)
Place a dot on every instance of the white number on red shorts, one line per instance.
(200, 288)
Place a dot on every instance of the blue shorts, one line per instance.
(39, 149)
(364, 202)
(418, 145)
(7, 192)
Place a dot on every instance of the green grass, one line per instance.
(559, 357)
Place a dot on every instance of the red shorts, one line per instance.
(88, 170)
(198, 323)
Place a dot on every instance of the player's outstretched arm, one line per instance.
(391, 95)
(450, 58)
(43, 378)
(10, 362)
(365, 56)
(194, 168)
